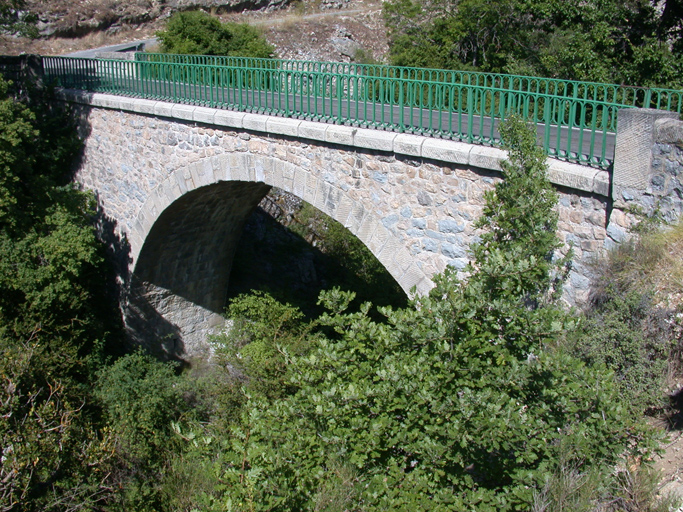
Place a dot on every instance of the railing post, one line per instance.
(632, 173)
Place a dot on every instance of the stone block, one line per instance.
(446, 151)
(356, 218)
(366, 229)
(414, 277)
(379, 239)
(340, 134)
(299, 185)
(633, 151)
(283, 126)
(374, 139)
(185, 112)
(408, 144)
(403, 259)
(143, 106)
(106, 101)
(313, 131)
(263, 166)
(487, 158)
(228, 118)
(238, 166)
(204, 115)
(321, 196)
(255, 122)
(601, 183)
(569, 175)
(126, 103)
(310, 189)
(163, 109)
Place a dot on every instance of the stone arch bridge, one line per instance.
(179, 181)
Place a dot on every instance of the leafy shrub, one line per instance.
(464, 401)
(631, 326)
(198, 33)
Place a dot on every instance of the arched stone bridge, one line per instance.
(179, 181)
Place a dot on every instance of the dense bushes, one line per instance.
(196, 32)
(467, 399)
(629, 42)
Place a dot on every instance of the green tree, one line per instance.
(597, 40)
(463, 401)
(197, 32)
(53, 314)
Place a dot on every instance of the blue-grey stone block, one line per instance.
(450, 226)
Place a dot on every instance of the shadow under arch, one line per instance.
(186, 233)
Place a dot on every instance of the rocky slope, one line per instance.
(337, 30)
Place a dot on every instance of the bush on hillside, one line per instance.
(199, 33)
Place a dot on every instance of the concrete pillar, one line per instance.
(633, 153)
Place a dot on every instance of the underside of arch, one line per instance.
(186, 235)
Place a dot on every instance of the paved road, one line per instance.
(133, 46)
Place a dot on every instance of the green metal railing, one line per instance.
(624, 95)
(575, 121)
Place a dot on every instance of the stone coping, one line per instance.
(565, 174)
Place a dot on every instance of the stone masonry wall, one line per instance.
(416, 214)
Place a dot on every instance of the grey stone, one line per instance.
(430, 245)
(453, 251)
(406, 212)
(434, 235)
(458, 264)
(450, 226)
(617, 233)
(419, 223)
(423, 198)
(390, 221)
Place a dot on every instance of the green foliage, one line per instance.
(51, 456)
(520, 222)
(53, 314)
(140, 398)
(630, 327)
(465, 400)
(15, 19)
(196, 32)
(604, 41)
(264, 334)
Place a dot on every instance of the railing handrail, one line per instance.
(574, 127)
(568, 84)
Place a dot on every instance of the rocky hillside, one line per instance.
(338, 30)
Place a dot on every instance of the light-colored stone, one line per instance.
(572, 176)
(143, 106)
(446, 151)
(163, 109)
(313, 131)
(229, 119)
(255, 122)
(283, 126)
(340, 134)
(374, 139)
(407, 144)
(486, 157)
(185, 112)
(204, 115)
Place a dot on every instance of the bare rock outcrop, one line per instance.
(75, 18)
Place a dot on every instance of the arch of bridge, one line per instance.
(364, 223)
